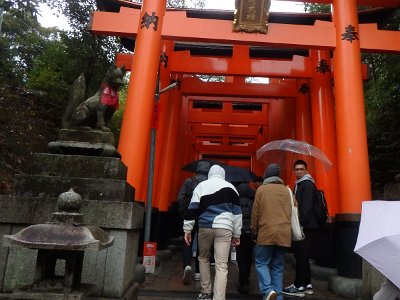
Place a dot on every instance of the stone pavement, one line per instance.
(166, 283)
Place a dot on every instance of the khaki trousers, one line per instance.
(221, 240)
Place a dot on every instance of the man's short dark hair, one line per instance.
(299, 162)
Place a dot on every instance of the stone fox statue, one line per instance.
(96, 111)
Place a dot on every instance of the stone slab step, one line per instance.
(88, 188)
(78, 166)
(90, 136)
(105, 214)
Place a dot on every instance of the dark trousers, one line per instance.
(302, 253)
(244, 258)
(187, 254)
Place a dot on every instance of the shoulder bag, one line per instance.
(297, 231)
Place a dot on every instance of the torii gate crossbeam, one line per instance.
(179, 27)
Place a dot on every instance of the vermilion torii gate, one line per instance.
(334, 124)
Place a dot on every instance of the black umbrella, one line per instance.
(238, 174)
(232, 173)
(192, 166)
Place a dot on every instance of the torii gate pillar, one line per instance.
(352, 149)
(323, 123)
(136, 125)
(303, 115)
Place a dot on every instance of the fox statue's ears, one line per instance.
(123, 69)
(115, 67)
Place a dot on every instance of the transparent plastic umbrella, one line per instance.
(281, 148)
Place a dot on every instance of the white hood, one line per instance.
(216, 171)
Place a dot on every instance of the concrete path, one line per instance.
(166, 283)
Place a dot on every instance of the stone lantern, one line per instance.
(63, 240)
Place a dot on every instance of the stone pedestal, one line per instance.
(108, 202)
(348, 262)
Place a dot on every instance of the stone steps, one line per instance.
(94, 167)
(88, 188)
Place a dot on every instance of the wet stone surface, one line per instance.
(166, 283)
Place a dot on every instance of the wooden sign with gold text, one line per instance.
(251, 15)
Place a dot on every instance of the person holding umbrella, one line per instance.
(245, 249)
(184, 197)
(305, 192)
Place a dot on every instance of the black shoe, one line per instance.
(203, 296)
(292, 290)
(243, 289)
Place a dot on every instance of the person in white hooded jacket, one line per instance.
(215, 205)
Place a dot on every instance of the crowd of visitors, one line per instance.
(256, 220)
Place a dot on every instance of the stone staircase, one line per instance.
(88, 162)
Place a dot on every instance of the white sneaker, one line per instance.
(308, 289)
(187, 273)
(197, 276)
(272, 296)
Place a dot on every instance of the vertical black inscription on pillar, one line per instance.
(304, 89)
(350, 34)
(147, 20)
(323, 66)
(164, 59)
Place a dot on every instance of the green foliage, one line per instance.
(322, 8)
(23, 6)
(86, 53)
(49, 59)
(382, 96)
(382, 99)
(317, 8)
(20, 41)
(48, 73)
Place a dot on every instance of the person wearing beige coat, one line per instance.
(271, 228)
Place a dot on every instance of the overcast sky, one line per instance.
(48, 19)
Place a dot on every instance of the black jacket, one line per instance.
(246, 198)
(188, 186)
(305, 196)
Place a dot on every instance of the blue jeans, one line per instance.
(269, 263)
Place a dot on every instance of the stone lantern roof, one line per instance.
(64, 232)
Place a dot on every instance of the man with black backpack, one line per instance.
(184, 197)
(306, 196)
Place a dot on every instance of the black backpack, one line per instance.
(320, 208)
